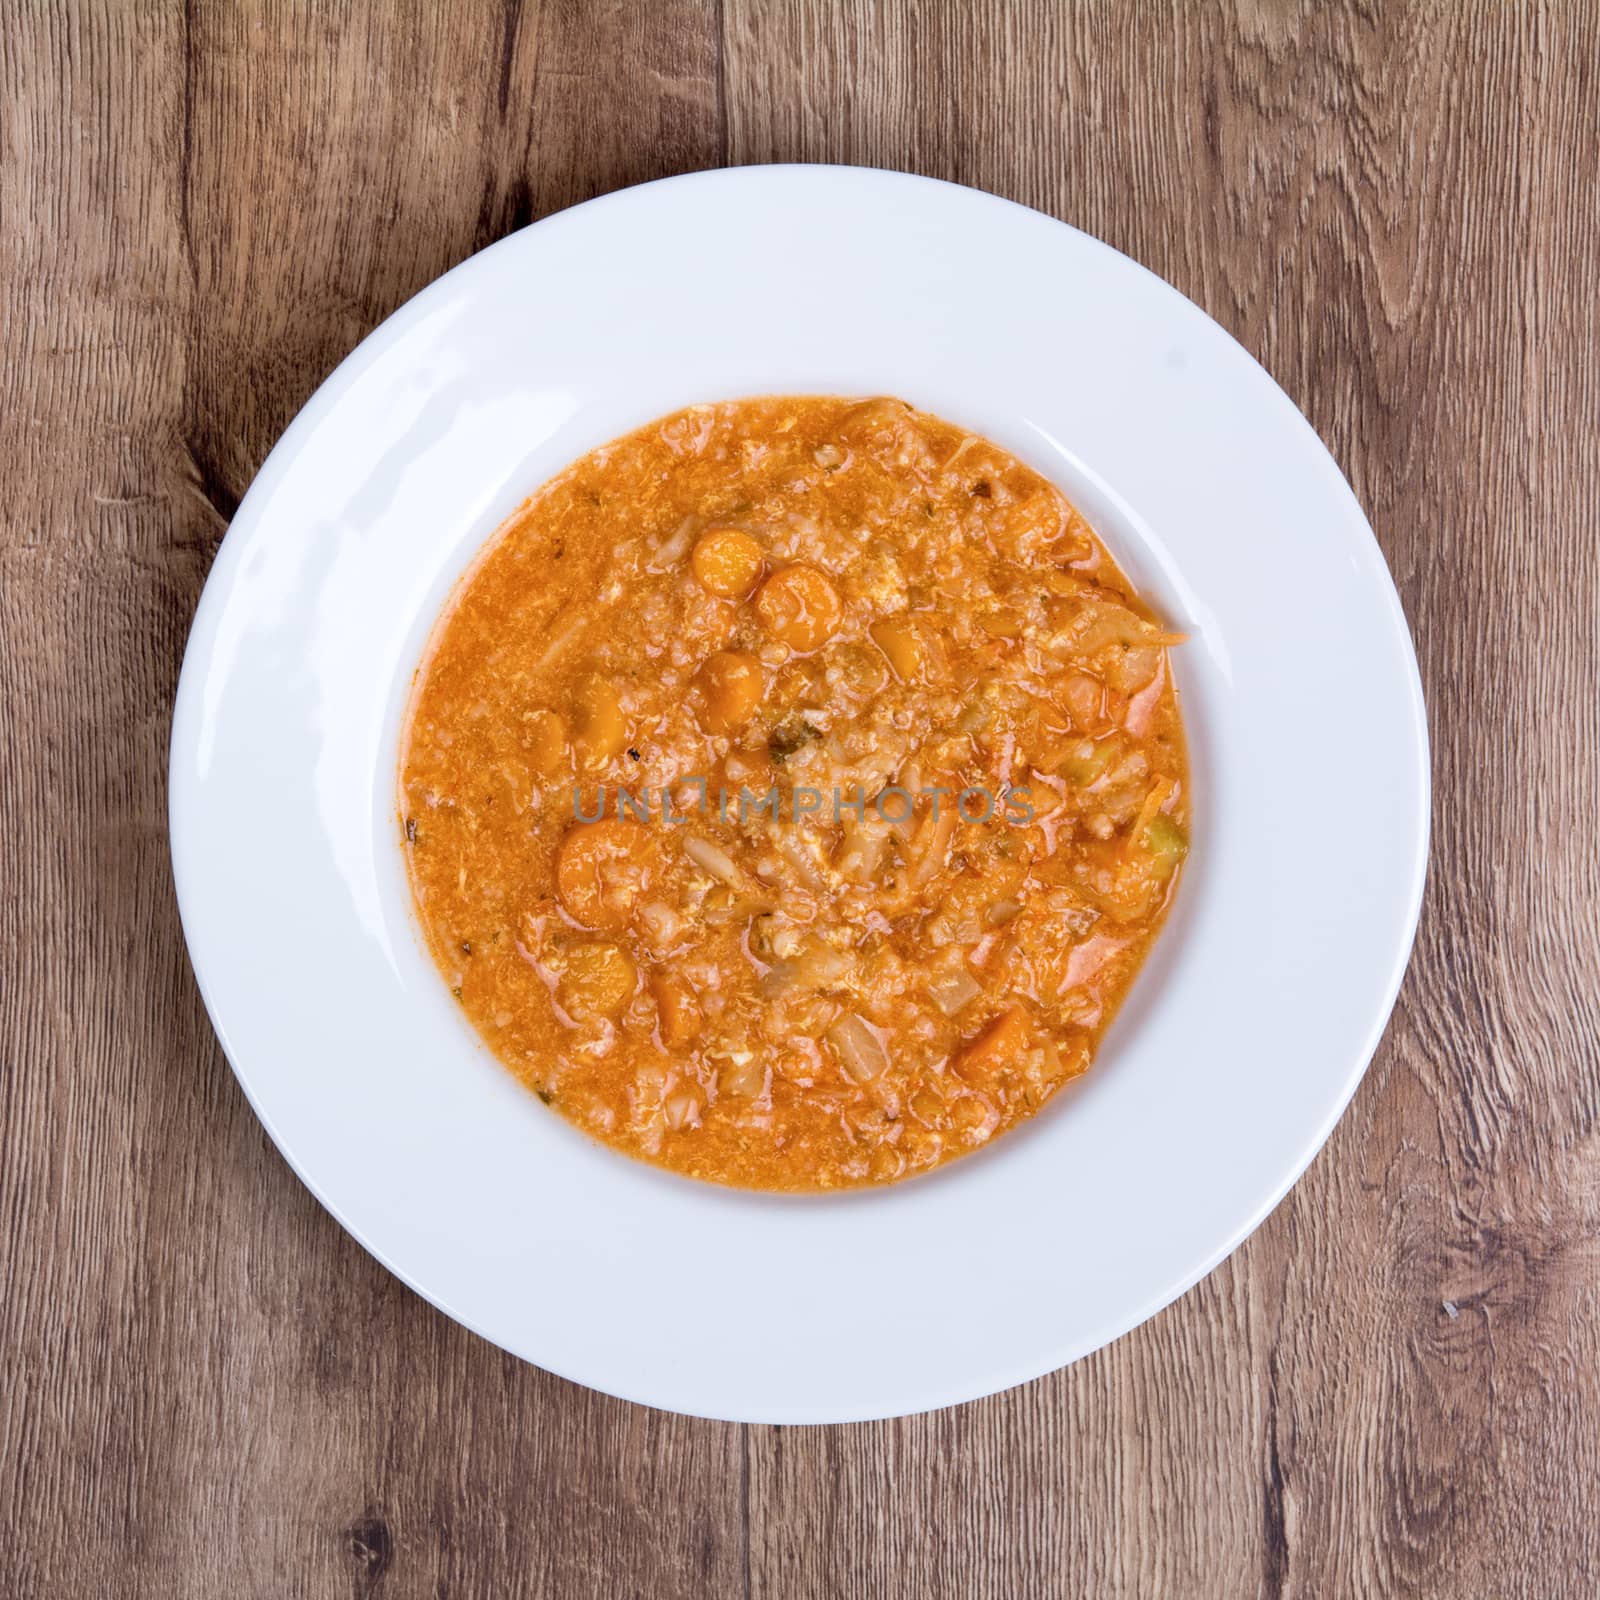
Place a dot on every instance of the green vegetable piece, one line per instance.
(1166, 843)
(1085, 761)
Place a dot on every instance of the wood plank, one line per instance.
(221, 1393)
(97, 570)
(1394, 1388)
(1393, 213)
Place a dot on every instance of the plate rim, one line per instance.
(310, 416)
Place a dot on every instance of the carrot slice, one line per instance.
(995, 1046)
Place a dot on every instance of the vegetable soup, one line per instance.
(791, 791)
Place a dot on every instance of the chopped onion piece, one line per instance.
(952, 990)
(711, 858)
(819, 966)
(674, 548)
(1128, 671)
(859, 1050)
(744, 1075)
(823, 967)
(932, 846)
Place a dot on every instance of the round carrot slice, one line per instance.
(601, 729)
(727, 562)
(730, 686)
(602, 868)
(799, 607)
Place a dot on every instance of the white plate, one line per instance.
(1246, 1034)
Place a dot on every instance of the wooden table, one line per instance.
(1394, 1388)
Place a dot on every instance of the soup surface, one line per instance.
(791, 791)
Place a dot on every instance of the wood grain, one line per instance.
(1393, 1388)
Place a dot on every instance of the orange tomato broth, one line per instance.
(725, 613)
